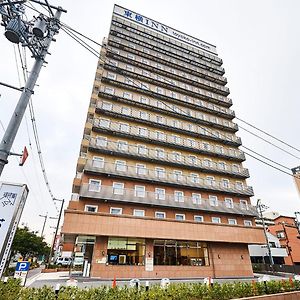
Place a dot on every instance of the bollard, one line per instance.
(164, 283)
(57, 287)
(134, 283)
(114, 283)
(147, 286)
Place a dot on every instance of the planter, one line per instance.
(281, 296)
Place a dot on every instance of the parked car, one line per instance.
(63, 261)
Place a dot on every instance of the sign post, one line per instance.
(21, 271)
(12, 200)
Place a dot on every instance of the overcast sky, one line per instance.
(258, 42)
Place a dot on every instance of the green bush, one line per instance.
(176, 291)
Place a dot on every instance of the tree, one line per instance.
(27, 243)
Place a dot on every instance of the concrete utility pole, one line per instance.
(259, 207)
(18, 31)
(45, 217)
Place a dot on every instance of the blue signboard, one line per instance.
(22, 266)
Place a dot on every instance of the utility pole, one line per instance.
(38, 39)
(56, 229)
(46, 216)
(259, 207)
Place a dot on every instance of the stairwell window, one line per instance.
(94, 185)
(178, 196)
(177, 175)
(196, 198)
(244, 204)
(121, 165)
(213, 200)
(228, 202)
(194, 178)
(160, 194)
(118, 188)
(139, 191)
(160, 172)
(225, 183)
(210, 180)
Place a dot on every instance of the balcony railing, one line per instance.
(182, 76)
(151, 136)
(165, 178)
(150, 117)
(167, 157)
(166, 200)
(195, 103)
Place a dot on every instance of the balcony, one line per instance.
(132, 150)
(166, 139)
(170, 201)
(150, 175)
(191, 116)
(192, 104)
(164, 70)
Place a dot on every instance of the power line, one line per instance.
(85, 45)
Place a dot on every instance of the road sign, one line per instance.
(22, 266)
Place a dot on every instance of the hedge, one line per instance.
(177, 291)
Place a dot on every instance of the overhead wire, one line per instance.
(95, 53)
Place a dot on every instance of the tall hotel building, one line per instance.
(160, 189)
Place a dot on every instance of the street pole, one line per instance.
(15, 121)
(259, 206)
(56, 230)
(45, 217)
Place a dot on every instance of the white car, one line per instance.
(63, 261)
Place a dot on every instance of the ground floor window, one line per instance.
(176, 253)
(125, 251)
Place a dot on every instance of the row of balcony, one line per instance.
(183, 47)
(122, 148)
(182, 88)
(167, 200)
(164, 59)
(187, 102)
(169, 50)
(186, 128)
(140, 172)
(159, 137)
(144, 116)
(153, 66)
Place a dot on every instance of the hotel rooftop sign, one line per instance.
(142, 20)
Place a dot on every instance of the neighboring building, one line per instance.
(160, 189)
(260, 253)
(288, 235)
(296, 173)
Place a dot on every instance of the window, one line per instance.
(244, 204)
(160, 104)
(196, 198)
(159, 153)
(228, 202)
(118, 188)
(109, 90)
(160, 120)
(192, 159)
(104, 123)
(206, 146)
(113, 62)
(124, 127)
(145, 61)
(222, 166)
(130, 56)
(247, 223)
(94, 185)
(139, 191)
(235, 168)
(144, 100)
(210, 180)
(91, 208)
(239, 185)
(176, 139)
(160, 172)
(160, 90)
(191, 142)
(177, 175)
(198, 218)
(115, 211)
(144, 115)
(280, 234)
(107, 105)
(130, 68)
(219, 149)
(111, 75)
(180, 217)
(141, 169)
(101, 141)
(194, 178)
(207, 162)
(160, 215)
(216, 220)
(129, 81)
(179, 196)
(213, 200)
(232, 222)
(121, 165)
(139, 213)
(145, 86)
(190, 127)
(160, 194)
(160, 135)
(176, 156)
(142, 149)
(122, 146)
(176, 123)
(127, 95)
(143, 131)
(225, 183)
(126, 111)
(98, 162)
